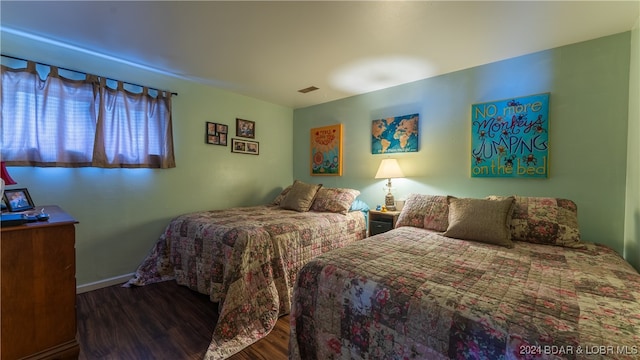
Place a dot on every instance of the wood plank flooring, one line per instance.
(159, 321)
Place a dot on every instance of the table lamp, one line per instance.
(389, 169)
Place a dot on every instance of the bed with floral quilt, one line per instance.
(493, 278)
(247, 258)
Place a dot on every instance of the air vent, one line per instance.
(309, 89)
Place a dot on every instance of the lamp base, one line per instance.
(389, 202)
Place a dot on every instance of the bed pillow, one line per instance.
(281, 196)
(337, 200)
(359, 205)
(481, 220)
(300, 197)
(545, 220)
(425, 211)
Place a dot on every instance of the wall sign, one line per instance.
(510, 138)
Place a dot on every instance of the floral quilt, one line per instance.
(411, 293)
(247, 260)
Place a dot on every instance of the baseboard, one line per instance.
(103, 283)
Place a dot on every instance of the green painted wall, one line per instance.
(589, 102)
(632, 218)
(121, 212)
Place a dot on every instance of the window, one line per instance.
(74, 122)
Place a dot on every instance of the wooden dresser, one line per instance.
(38, 289)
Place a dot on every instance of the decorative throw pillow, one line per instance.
(481, 220)
(545, 220)
(359, 205)
(281, 196)
(425, 211)
(337, 200)
(300, 197)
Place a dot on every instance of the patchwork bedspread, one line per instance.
(247, 259)
(413, 294)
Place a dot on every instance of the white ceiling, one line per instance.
(269, 50)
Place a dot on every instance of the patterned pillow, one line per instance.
(337, 200)
(281, 196)
(481, 220)
(425, 211)
(545, 220)
(300, 197)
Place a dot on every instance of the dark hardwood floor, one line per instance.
(159, 321)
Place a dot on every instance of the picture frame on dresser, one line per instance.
(18, 199)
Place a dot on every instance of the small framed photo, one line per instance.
(222, 128)
(18, 199)
(213, 139)
(216, 134)
(211, 128)
(245, 146)
(245, 128)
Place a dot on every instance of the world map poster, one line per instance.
(510, 138)
(395, 134)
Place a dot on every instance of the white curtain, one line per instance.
(62, 122)
(134, 130)
(46, 122)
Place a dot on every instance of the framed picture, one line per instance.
(395, 134)
(245, 128)
(510, 138)
(18, 199)
(216, 134)
(326, 150)
(245, 146)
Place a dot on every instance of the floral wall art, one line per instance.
(326, 150)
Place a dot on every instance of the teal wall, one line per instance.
(632, 219)
(588, 84)
(121, 212)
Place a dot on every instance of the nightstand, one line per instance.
(382, 221)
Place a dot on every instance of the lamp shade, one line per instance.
(388, 169)
(5, 175)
